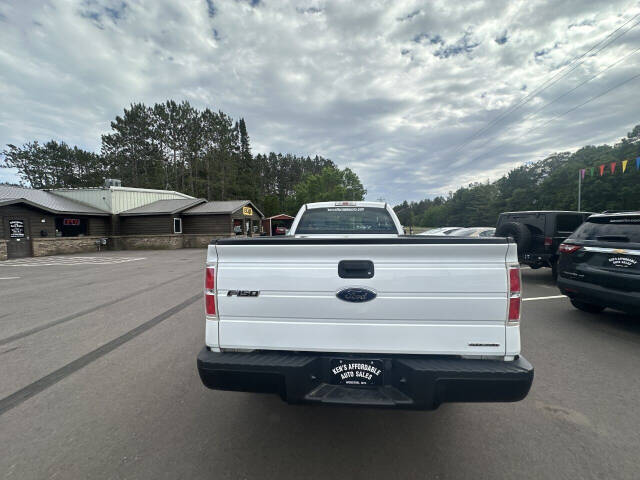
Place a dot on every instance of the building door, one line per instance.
(19, 244)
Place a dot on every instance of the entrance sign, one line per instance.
(71, 221)
(16, 228)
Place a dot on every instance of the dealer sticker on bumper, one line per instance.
(350, 371)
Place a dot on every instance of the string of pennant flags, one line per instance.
(612, 168)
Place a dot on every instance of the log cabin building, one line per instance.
(39, 222)
(32, 219)
(231, 217)
(192, 217)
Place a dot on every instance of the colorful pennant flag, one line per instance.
(612, 168)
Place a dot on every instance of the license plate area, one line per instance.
(356, 371)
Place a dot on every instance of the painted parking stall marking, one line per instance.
(56, 261)
(544, 298)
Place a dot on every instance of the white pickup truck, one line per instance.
(347, 310)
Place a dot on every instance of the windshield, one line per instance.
(346, 220)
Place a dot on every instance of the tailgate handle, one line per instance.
(355, 269)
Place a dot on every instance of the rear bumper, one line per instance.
(409, 381)
(607, 297)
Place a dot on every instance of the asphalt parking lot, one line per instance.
(98, 380)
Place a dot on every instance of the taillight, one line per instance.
(515, 295)
(210, 303)
(514, 310)
(548, 241)
(209, 278)
(514, 280)
(568, 248)
(209, 290)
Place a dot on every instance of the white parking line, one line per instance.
(544, 298)
(9, 278)
(68, 261)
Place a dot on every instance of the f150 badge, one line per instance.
(357, 295)
(243, 293)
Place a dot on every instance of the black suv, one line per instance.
(599, 263)
(539, 234)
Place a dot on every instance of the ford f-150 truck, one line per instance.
(347, 310)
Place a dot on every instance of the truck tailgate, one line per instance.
(434, 296)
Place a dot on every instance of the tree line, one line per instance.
(207, 154)
(175, 146)
(549, 184)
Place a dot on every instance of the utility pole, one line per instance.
(579, 189)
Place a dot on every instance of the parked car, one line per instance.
(474, 232)
(347, 310)
(599, 263)
(441, 231)
(280, 230)
(538, 234)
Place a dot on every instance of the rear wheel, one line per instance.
(554, 270)
(587, 307)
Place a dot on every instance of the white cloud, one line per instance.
(391, 89)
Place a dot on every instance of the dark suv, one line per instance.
(599, 263)
(539, 234)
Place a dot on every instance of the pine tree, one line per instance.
(174, 146)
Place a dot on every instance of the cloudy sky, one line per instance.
(417, 97)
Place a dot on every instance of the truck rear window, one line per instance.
(614, 229)
(346, 220)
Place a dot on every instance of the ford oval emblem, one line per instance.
(356, 295)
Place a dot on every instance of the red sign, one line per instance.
(71, 221)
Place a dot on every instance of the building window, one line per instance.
(71, 227)
(177, 225)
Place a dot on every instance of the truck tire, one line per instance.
(587, 307)
(518, 231)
